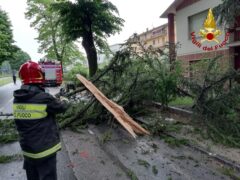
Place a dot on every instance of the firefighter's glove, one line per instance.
(64, 99)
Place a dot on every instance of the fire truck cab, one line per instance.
(53, 72)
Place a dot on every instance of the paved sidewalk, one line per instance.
(88, 160)
(14, 171)
(146, 157)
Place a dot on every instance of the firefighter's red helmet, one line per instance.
(31, 73)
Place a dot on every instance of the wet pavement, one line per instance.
(88, 159)
(152, 158)
(6, 96)
(14, 171)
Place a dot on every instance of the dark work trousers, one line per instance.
(43, 169)
(14, 79)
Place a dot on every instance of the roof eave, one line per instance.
(171, 9)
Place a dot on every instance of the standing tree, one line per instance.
(93, 21)
(51, 38)
(19, 57)
(6, 37)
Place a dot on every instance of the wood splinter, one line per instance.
(118, 112)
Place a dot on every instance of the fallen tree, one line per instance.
(128, 80)
(134, 77)
(216, 95)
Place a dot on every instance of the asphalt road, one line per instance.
(6, 96)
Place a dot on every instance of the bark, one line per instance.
(91, 52)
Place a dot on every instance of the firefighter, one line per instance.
(34, 115)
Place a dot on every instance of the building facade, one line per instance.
(188, 16)
(104, 59)
(154, 38)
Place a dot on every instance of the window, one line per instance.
(195, 22)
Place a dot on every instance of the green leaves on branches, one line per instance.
(91, 20)
(228, 11)
(6, 37)
(53, 42)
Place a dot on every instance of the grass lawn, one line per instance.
(182, 101)
(5, 80)
(5, 75)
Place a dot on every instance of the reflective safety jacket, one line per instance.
(34, 114)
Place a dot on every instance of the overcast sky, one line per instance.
(138, 15)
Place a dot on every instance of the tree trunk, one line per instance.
(90, 49)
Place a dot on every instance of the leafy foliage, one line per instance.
(52, 40)
(132, 175)
(160, 126)
(230, 172)
(77, 69)
(9, 52)
(143, 163)
(174, 142)
(134, 78)
(216, 98)
(6, 37)
(129, 80)
(107, 136)
(154, 170)
(19, 57)
(166, 84)
(227, 11)
(8, 132)
(93, 21)
(9, 158)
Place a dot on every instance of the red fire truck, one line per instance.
(52, 71)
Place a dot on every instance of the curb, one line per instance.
(175, 110)
(79, 170)
(67, 151)
(110, 154)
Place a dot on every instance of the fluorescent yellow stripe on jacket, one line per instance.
(29, 111)
(29, 107)
(44, 153)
